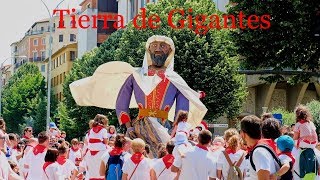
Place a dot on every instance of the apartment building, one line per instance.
(35, 44)
(93, 37)
(61, 64)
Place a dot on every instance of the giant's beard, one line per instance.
(159, 60)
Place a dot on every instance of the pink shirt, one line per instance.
(307, 134)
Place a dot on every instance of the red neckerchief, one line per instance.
(290, 155)
(39, 149)
(73, 149)
(137, 157)
(97, 128)
(112, 133)
(268, 142)
(45, 165)
(15, 147)
(230, 151)
(202, 147)
(116, 151)
(61, 160)
(168, 160)
(24, 136)
(302, 121)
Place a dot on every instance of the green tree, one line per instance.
(39, 117)
(20, 96)
(288, 117)
(288, 43)
(66, 123)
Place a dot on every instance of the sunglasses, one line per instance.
(29, 130)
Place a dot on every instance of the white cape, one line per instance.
(102, 88)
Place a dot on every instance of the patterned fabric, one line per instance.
(145, 130)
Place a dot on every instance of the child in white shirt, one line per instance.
(137, 167)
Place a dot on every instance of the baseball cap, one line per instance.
(285, 143)
(52, 125)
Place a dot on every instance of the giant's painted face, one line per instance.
(159, 51)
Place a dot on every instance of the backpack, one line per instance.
(234, 172)
(271, 151)
(114, 167)
(308, 164)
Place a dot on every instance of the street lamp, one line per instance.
(1, 83)
(49, 65)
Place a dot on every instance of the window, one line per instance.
(61, 38)
(72, 37)
(35, 56)
(60, 78)
(60, 60)
(35, 42)
(43, 41)
(134, 8)
(43, 68)
(72, 55)
(64, 58)
(108, 6)
(43, 55)
(42, 29)
(110, 28)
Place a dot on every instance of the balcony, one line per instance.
(30, 32)
(37, 59)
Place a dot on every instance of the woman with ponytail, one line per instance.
(232, 152)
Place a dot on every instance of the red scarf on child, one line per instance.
(168, 160)
(202, 147)
(97, 128)
(116, 151)
(74, 149)
(230, 151)
(137, 157)
(290, 155)
(61, 160)
(39, 149)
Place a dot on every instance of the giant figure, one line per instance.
(159, 92)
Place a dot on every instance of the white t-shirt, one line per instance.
(222, 163)
(263, 160)
(4, 166)
(142, 171)
(197, 164)
(102, 134)
(66, 168)
(75, 154)
(51, 172)
(284, 159)
(181, 149)
(35, 163)
(159, 167)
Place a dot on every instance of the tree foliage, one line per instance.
(207, 62)
(288, 43)
(22, 95)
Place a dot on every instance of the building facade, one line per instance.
(94, 37)
(61, 64)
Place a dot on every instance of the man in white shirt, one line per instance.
(34, 160)
(197, 162)
(261, 157)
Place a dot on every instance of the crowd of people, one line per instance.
(260, 149)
